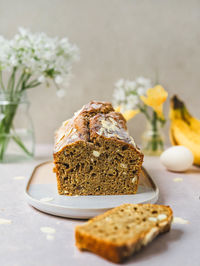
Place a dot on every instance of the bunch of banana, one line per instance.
(184, 129)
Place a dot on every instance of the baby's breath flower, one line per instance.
(119, 83)
(141, 90)
(127, 93)
(58, 79)
(119, 95)
(143, 82)
(41, 79)
(39, 55)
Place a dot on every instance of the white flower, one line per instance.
(141, 90)
(119, 83)
(130, 85)
(13, 61)
(60, 93)
(127, 93)
(143, 81)
(41, 79)
(119, 94)
(41, 56)
(58, 79)
(132, 101)
(22, 31)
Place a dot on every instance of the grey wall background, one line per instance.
(117, 38)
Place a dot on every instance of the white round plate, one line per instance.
(41, 193)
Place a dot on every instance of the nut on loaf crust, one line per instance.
(95, 155)
(98, 236)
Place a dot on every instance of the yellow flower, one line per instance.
(128, 114)
(118, 108)
(155, 98)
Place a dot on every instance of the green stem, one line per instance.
(9, 110)
(21, 79)
(26, 78)
(11, 82)
(3, 144)
(155, 132)
(143, 109)
(1, 81)
(32, 84)
(21, 145)
(9, 113)
(5, 128)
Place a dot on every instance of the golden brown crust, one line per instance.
(118, 252)
(98, 246)
(78, 127)
(109, 250)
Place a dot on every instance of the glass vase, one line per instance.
(16, 128)
(153, 139)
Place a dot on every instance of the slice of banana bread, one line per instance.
(95, 155)
(118, 233)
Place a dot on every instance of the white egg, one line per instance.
(177, 158)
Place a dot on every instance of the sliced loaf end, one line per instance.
(118, 233)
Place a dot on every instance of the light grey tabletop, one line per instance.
(29, 237)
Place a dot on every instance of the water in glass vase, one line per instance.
(16, 129)
(153, 140)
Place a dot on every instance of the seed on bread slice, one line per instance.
(118, 233)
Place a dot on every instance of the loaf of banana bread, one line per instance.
(95, 155)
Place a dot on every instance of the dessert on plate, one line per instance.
(95, 155)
